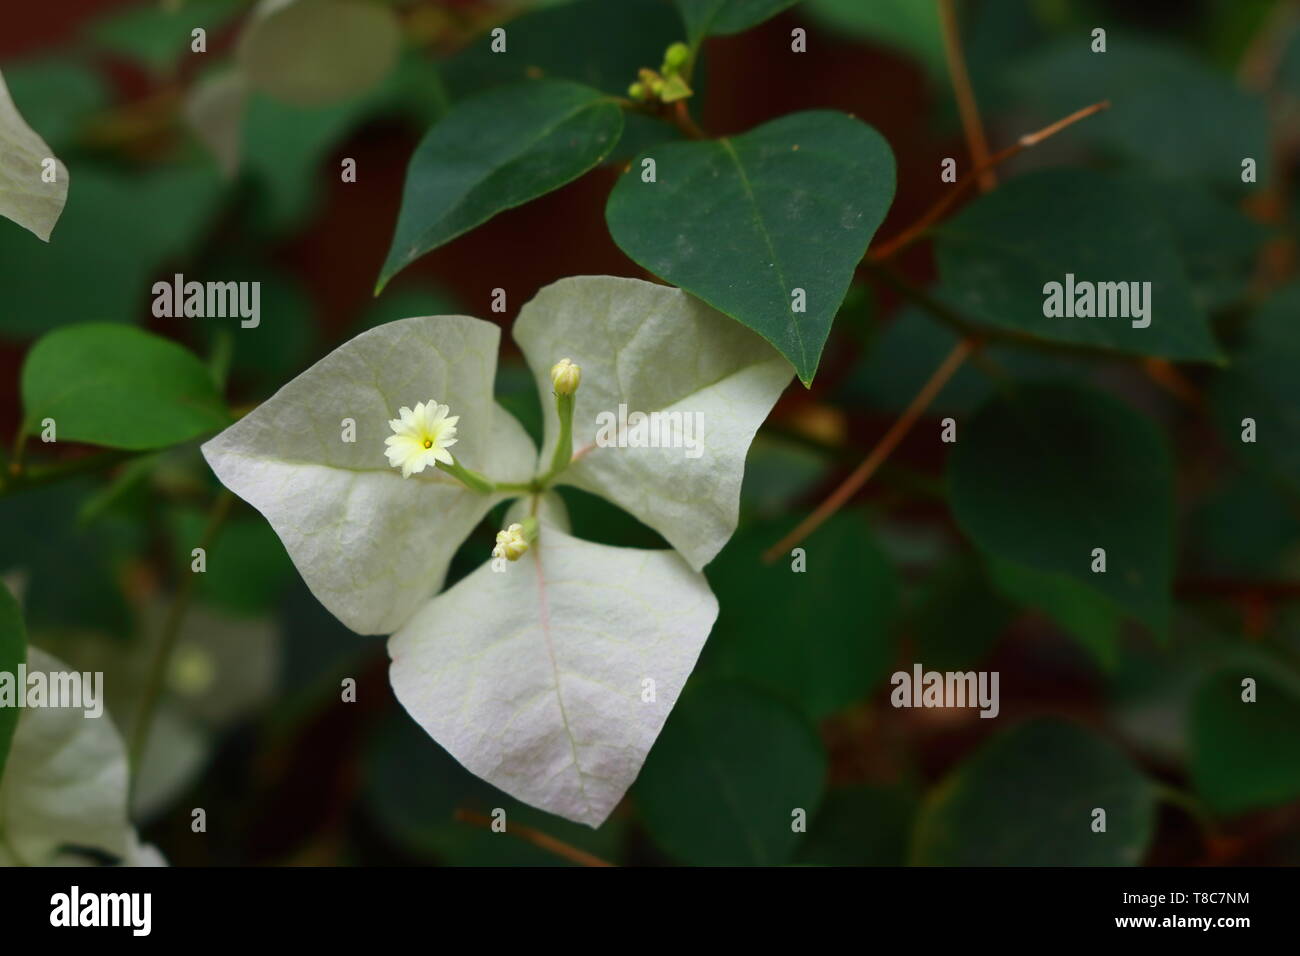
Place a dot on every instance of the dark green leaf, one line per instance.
(116, 231)
(1026, 798)
(724, 780)
(1169, 113)
(156, 35)
(118, 386)
(910, 26)
(599, 43)
(1045, 476)
(998, 254)
(1245, 755)
(247, 569)
(1088, 616)
(958, 618)
(13, 651)
(497, 151)
(860, 826)
(56, 96)
(744, 222)
(1262, 384)
(721, 17)
(822, 637)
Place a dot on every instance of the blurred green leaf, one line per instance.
(998, 253)
(1245, 529)
(1218, 244)
(247, 569)
(777, 472)
(117, 229)
(860, 826)
(496, 151)
(318, 51)
(156, 34)
(68, 571)
(904, 24)
(599, 43)
(1089, 617)
(1245, 755)
(118, 386)
(406, 302)
(723, 781)
(1262, 384)
(1026, 798)
(57, 96)
(13, 651)
(722, 17)
(792, 205)
(822, 638)
(958, 617)
(1169, 112)
(1044, 476)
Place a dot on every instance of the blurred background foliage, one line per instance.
(1126, 697)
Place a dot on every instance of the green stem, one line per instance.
(20, 479)
(170, 632)
(470, 479)
(523, 487)
(564, 447)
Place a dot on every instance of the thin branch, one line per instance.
(851, 485)
(536, 838)
(935, 212)
(167, 642)
(965, 93)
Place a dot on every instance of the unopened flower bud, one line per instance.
(511, 543)
(637, 91)
(565, 377)
(675, 57)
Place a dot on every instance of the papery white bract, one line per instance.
(25, 195)
(65, 786)
(371, 546)
(654, 348)
(535, 678)
(533, 674)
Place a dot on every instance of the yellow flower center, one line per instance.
(428, 443)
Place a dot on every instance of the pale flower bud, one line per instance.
(511, 543)
(565, 377)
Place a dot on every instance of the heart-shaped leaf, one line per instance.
(551, 678)
(496, 151)
(766, 227)
(998, 255)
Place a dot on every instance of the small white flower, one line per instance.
(421, 437)
(511, 543)
(565, 377)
